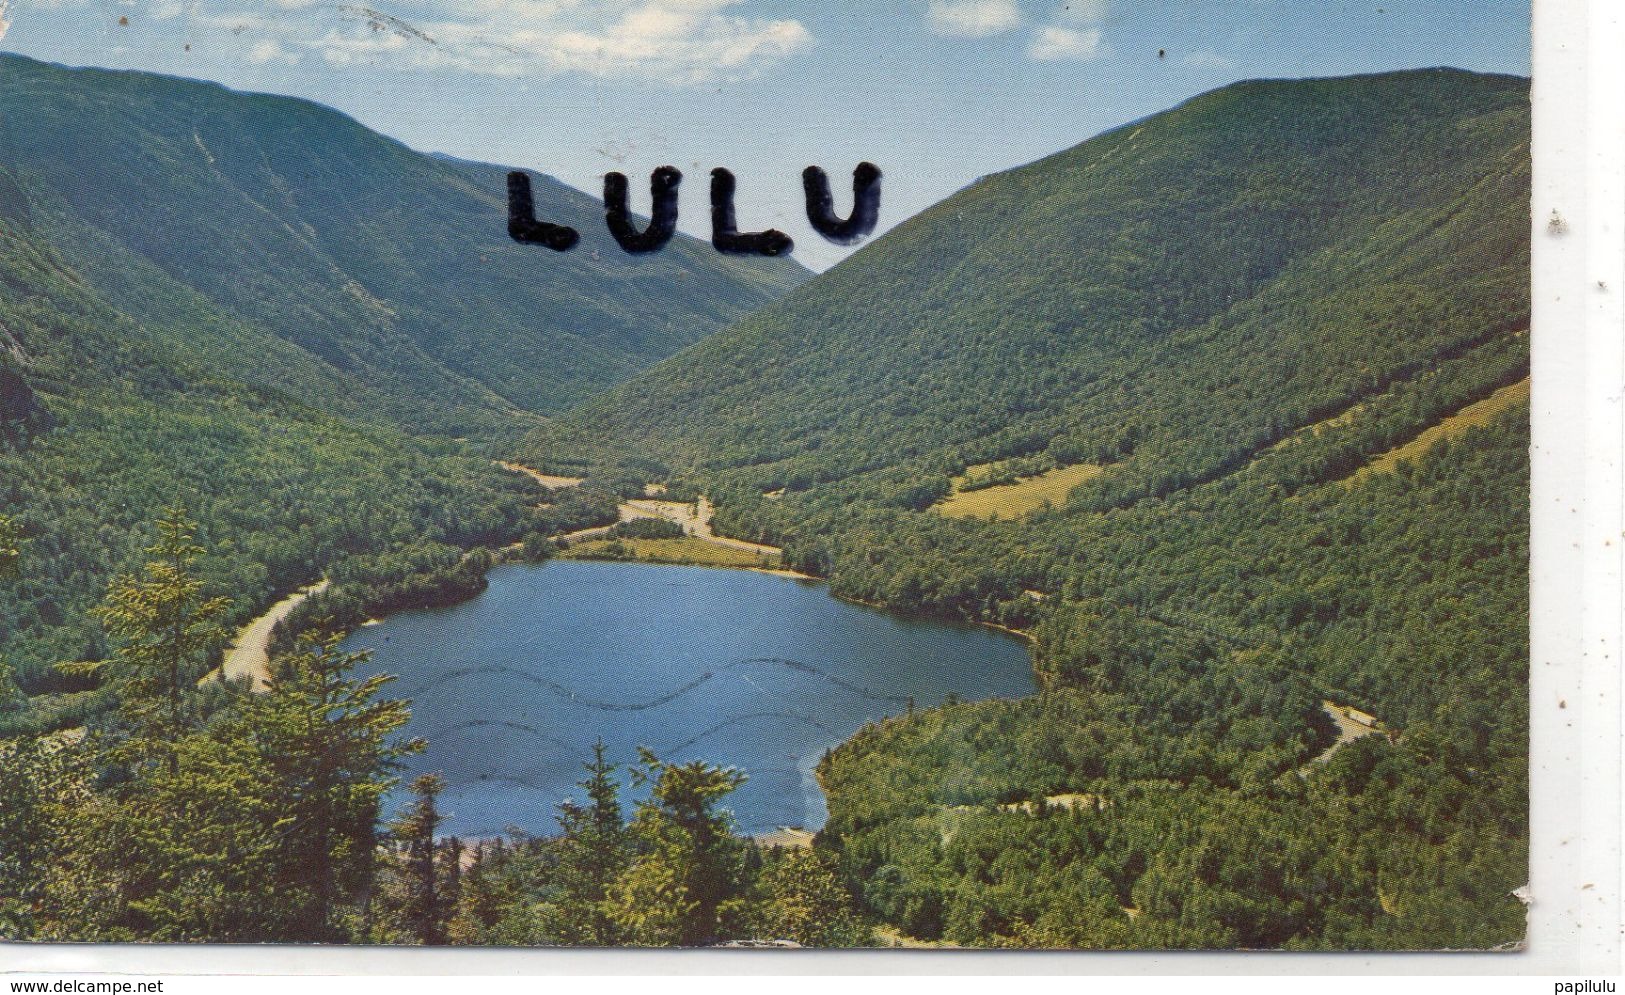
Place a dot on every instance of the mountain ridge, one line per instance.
(310, 335)
(1058, 301)
(1216, 317)
(348, 238)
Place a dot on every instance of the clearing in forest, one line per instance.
(1338, 420)
(1473, 415)
(550, 481)
(1020, 498)
(1352, 724)
(689, 550)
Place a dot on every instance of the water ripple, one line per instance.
(582, 751)
(439, 734)
(571, 695)
(735, 720)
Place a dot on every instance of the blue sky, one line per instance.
(936, 92)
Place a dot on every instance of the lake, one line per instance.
(733, 667)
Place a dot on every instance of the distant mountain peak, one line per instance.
(275, 240)
(1165, 297)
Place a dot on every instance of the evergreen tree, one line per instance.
(691, 866)
(451, 879)
(800, 897)
(424, 914)
(592, 853)
(11, 546)
(188, 843)
(44, 779)
(166, 629)
(11, 553)
(176, 848)
(21, 844)
(324, 740)
(483, 897)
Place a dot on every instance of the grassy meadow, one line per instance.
(1474, 415)
(695, 552)
(1014, 500)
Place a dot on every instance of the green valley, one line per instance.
(1226, 410)
(310, 335)
(1229, 309)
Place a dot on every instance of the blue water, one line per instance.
(733, 667)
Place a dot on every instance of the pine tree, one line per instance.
(480, 901)
(424, 915)
(11, 546)
(323, 738)
(43, 785)
(166, 629)
(173, 851)
(692, 864)
(801, 898)
(11, 553)
(451, 874)
(592, 853)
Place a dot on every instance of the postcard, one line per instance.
(761, 474)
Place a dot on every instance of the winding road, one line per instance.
(693, 516)
(250, 653)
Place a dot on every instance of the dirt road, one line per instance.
(695, 518)
(1348, 730)
(250, 653)
(548, 480)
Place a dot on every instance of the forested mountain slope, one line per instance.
(102, 427)
(1191, 654)
(281, 243)
(1251, 317)
(1168, 297)
(256, 308)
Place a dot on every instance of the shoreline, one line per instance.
(787, 836)
(780, 837)
(248, 654)
(770, 571)
(1021, 634)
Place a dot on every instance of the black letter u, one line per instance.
(865, 204)
(663, 222)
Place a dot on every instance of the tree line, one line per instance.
(193, 812)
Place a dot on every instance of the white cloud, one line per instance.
(683, 40)
(972, 18)
(52, 5)
(1054, 43)
(269, 50)
(1208, 60)
(676, 41)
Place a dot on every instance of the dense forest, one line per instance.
(1184, 682)
(1166, 299)
(215, 813)
(282, 493)
(1229, 310)
(1282, 644)
(277, 242)
(313, 339)
(310, 335)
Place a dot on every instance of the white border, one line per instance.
(1579, 536)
